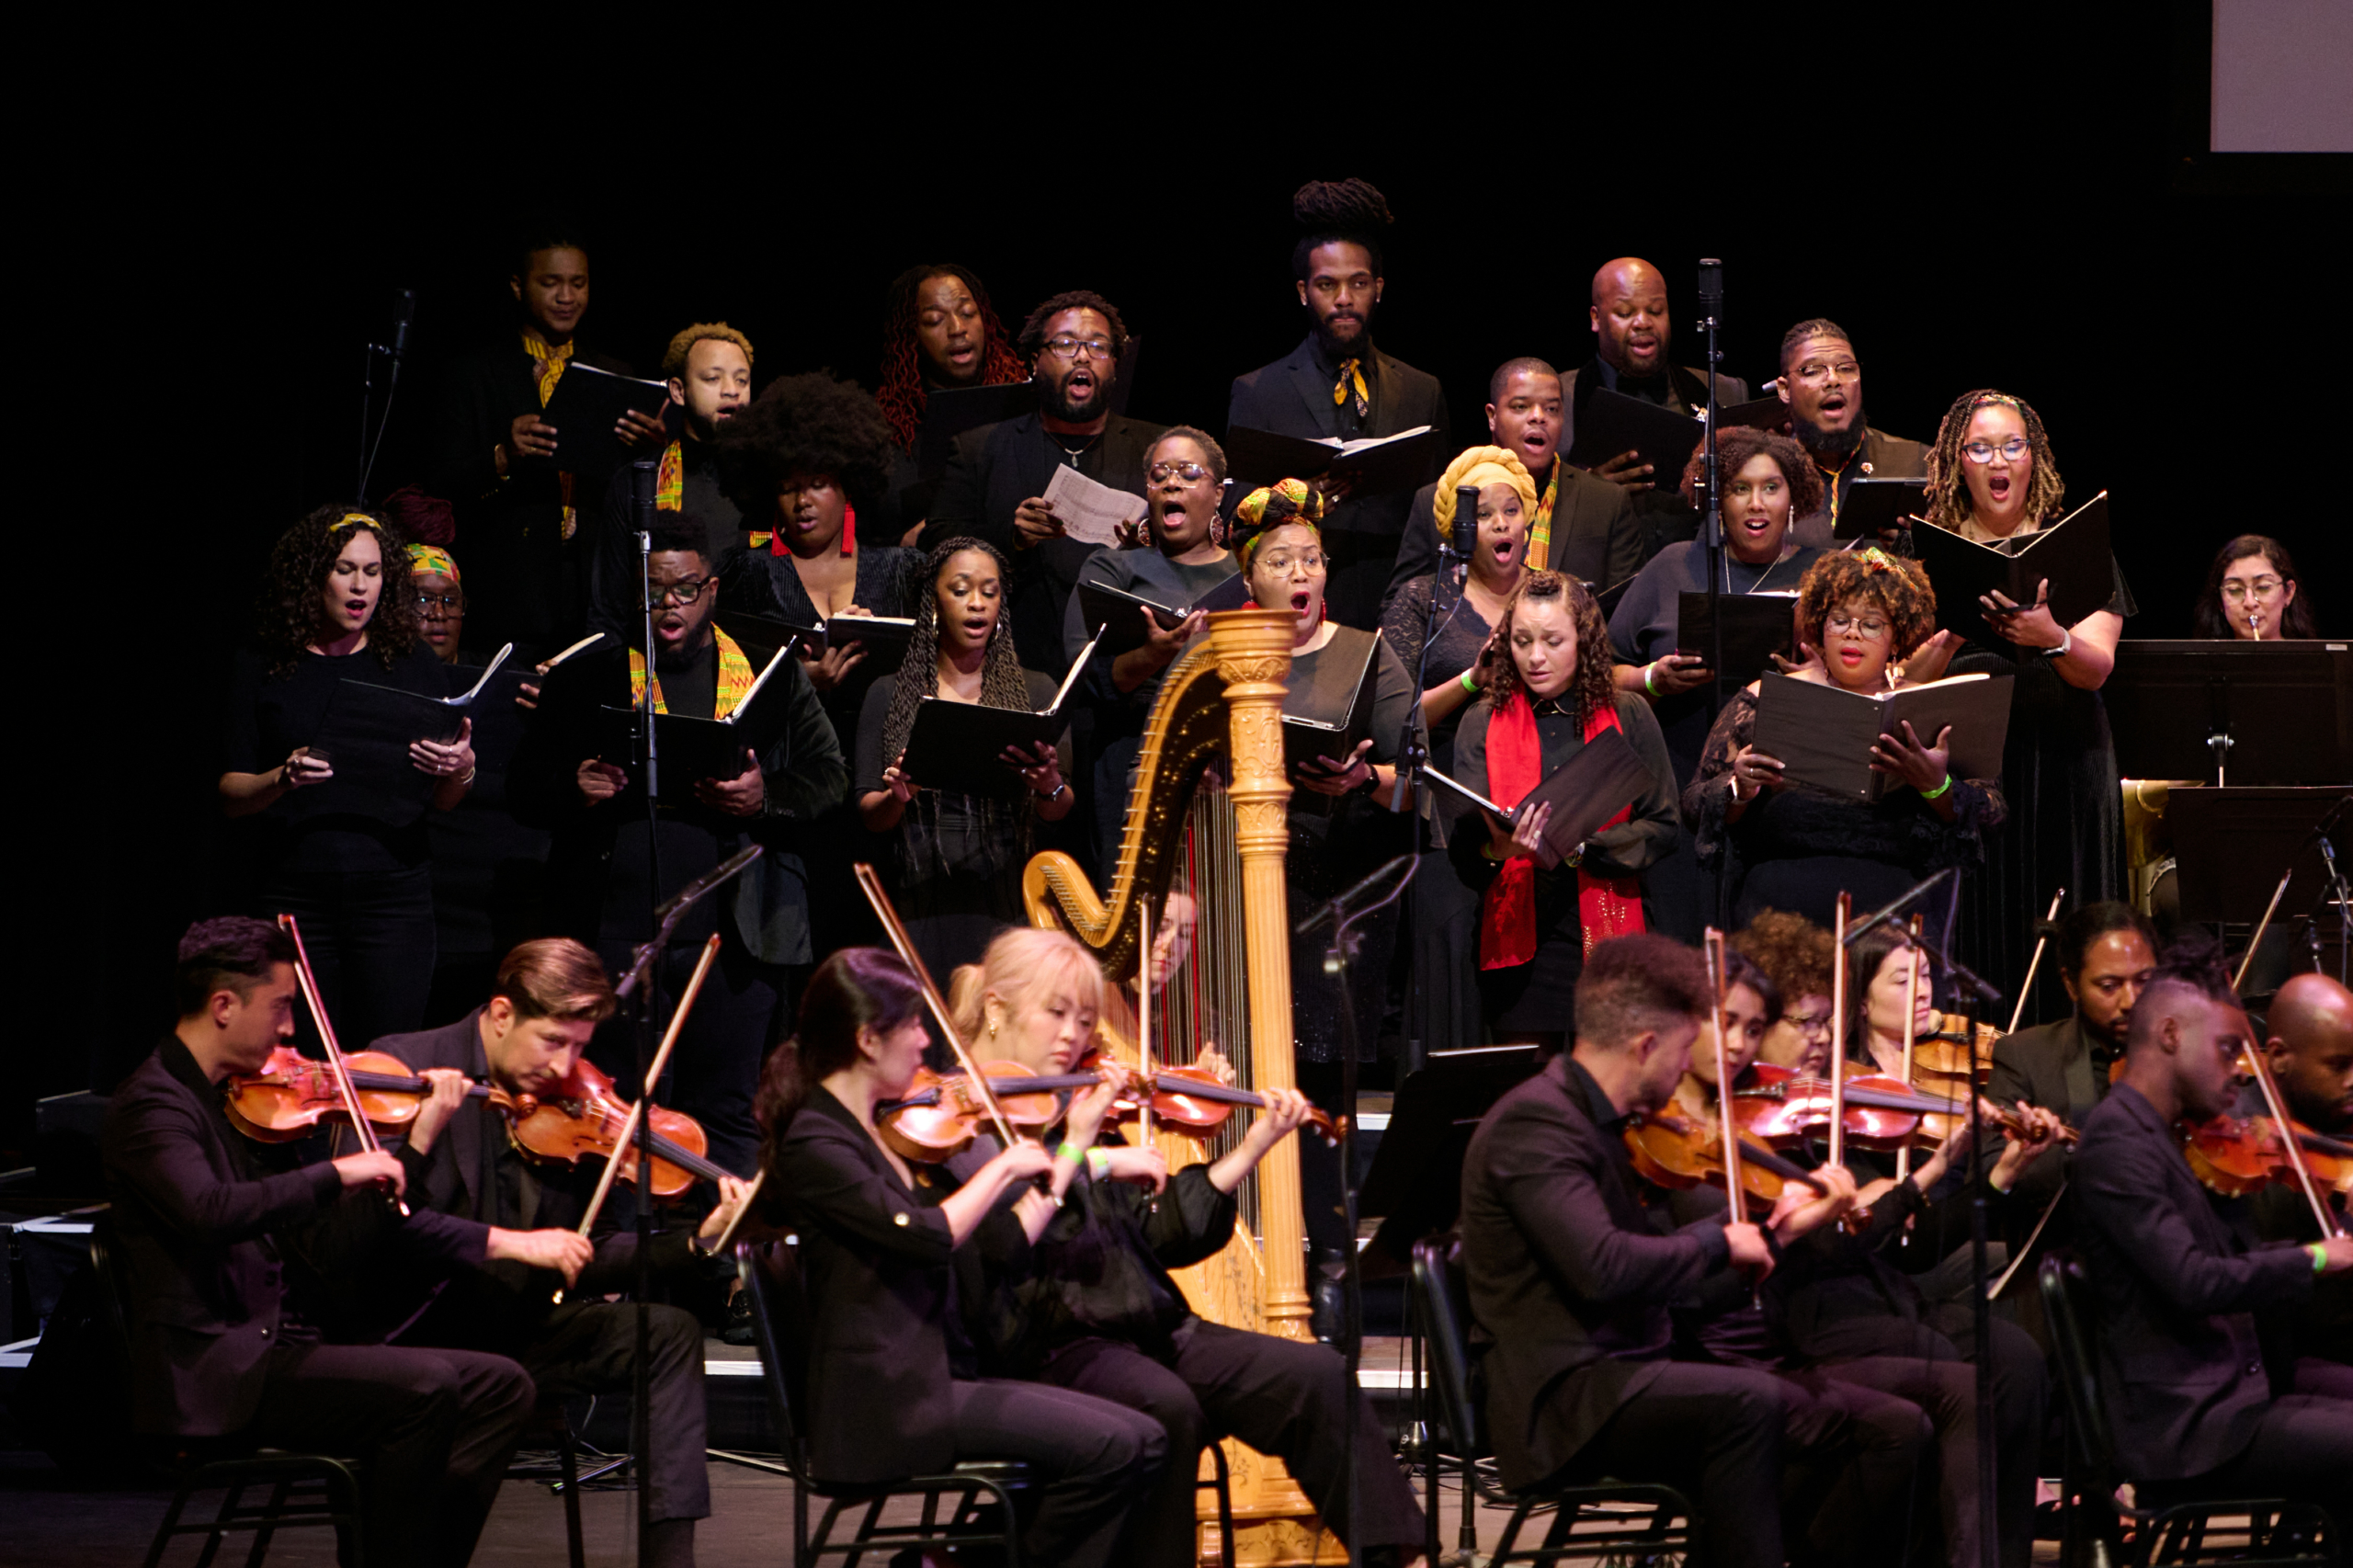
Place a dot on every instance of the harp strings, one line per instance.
(1207, 1000)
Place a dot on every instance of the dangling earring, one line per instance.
(849, 529)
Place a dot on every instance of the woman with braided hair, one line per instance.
(958, 857)
(939, 330)
(1992, 479)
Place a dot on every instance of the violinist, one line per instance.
(548, 997)
(893, 1387)
(2310, 1048)
(222, 1305)
(1794, 954)
(2178, 1275)
(1089, 1304)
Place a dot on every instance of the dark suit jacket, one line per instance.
(203, 1247)
(1569, 1281)
(1293, 397)
(2050, 1065)
(1595, 535)
(991, 471)
(875, 1259)
(2179, 1283)
(1881, 456)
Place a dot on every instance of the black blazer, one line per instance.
(876, 1258)
(1881, 456)
(1569, 1281)
(2052, 1066)
(1293, 397)
(991, 471)
(2178, 1281)
(203, 1246)
(1595, 535)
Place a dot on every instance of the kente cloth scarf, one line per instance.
(427, 558)
(1606, 906)
(670, 479)
(735, 678)
(1352, 370)
(552, 360)
(1539, 527)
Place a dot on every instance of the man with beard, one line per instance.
(1583, 525)
(1338, 383)
(995, 485)
(496, 458)
(1633, 332)
(1822, 386)
(2178, 1276)
(2310, 1055)
(709, 367)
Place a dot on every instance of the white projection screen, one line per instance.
(2283, 76)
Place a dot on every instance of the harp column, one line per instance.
(1253, 650)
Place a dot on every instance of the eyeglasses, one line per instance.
(685, 591)
(441, 604)
(1982, 451)
(2262, 588)
(1869, 626)
(1808, 1023)
(1844, 370)
(1283, 561)
(1191, 473)
(1069, 348)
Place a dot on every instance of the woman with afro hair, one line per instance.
(337, 844)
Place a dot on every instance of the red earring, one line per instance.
(849, 529)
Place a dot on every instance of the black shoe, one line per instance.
(739, 1329)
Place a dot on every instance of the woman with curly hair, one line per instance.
(1795, 847)
(1545, 692)
(1795, 955)
(958, 856)
(939, 330)
(345, 853)
(1992, 478)
(2252, 593)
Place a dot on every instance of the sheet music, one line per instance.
(1090, 512)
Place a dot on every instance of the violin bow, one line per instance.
(751, 1191)
(1712, 946)
(1143, 1028)
(337, 1073)
(1912, 1034)
(1838, 1031)
(652, 1076)
(2041, 942)
(2289, 1142)
(871, 885)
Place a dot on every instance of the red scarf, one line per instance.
(1606, 906)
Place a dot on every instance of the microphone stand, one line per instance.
(1712, 532)
(1415, 755)
(1344, 912)
(403, 312)
(643, 481)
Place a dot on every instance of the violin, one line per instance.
(1672, 1151)
(293, 1094)
(940, 1115)
(2235, 1155)
(585, 1117)
(1192, 1100)
(1779, 1106)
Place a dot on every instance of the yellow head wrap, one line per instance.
(1480, 466)
(424, 557)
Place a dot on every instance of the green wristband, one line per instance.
(1649, 670)
(2320, 1258)
(1098, 1161)
(1467, 685)
(1932, 794)
(1067, 1150)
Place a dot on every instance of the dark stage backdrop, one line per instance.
(2034, 237)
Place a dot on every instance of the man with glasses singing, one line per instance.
(995, 485)
(1822, 386)
(576, 774)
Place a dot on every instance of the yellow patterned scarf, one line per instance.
(1540, 528)
(552, 358)
(670, 479)
(735, 678)
(1352, 376)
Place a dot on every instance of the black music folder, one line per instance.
(1602, 779)
(884, 637)
(1375, 465)
(2072, 552)
(1114, 612)
(585, 405)
(2286, 709)
(691, 750)
(1874, 506)
(495, 703)
(949, 411)
(1757, 627)
(1327, 715)
(1822, 734)
(953, 746)
(1608, 422)
(1769, 414)
(365, 735)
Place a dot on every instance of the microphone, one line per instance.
(642, 479)
(1711, 287)
(1333, 909)
(404, 313)
(1902, 902)
(1466, 516)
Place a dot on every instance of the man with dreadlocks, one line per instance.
(1338, 383)
(995, 489)
(709, 367)
(1822, 386)
(939, 330)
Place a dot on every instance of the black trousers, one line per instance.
(1714, 1434)
(715, 1067)
(1850, 1454)
(371, 942)
(2302, 1450)
(1277, 1395)
(1099, 1462)
(436, 1429)
(1916, 1363)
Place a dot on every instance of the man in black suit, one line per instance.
(490, 454)
(1588, 525)
(2180, 1278)
(1633, 334)
(995, 488)
(2310, 1048)
(548, 997)
(1337, 382)
(1822, 386)
(217, 1283)
(1570, 1283)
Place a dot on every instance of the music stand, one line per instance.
(1415, 1183)
(2231, 711)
